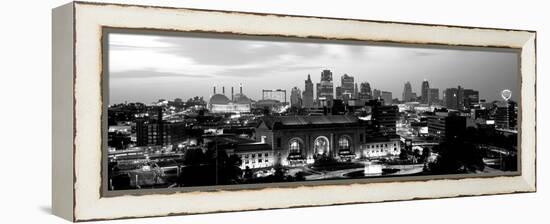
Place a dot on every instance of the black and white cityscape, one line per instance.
(190, 111)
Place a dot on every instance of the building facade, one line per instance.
(433, 96)
(307, 95)
(425, 88)
(385, 118)
(347, 88)
(274, 94)
(387, 97)
(506, 115)
(407, 92)
(376, 94)
(446, 126)
(325, 89)
(253, 154)
(381, 148)
(221, 104)
(460, 98)
(470, 98)
(454, 98)
(153, 133)
(296, 97)
(365, 92)
(299, 140)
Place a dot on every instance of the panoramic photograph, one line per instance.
(197, 111)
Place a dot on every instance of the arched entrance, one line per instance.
(295, 146)
(321, 146)
(344, 147)
(295, 151)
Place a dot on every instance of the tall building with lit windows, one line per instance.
(365, 92)
(407, 92)
(307, 95)
(347, 87)
(325, 89)
(425, 89)
(296, 97)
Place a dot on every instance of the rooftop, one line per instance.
(298, 121)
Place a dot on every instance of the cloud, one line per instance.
(423, 53)
(260, 71)
(160, 65)
(152, 74)
(217, 51)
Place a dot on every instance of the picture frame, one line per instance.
(79, 86)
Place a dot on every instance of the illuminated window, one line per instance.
(321, 146)
(295, 146)
(343, 143)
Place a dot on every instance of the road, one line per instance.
(321, 175)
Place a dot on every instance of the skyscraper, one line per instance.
(425, 89)
(385, 118)
(407, 92)
(433, 96)
(338, 94)
(274, 94)
(347, 87)
(506, 115)
(454, 98)
(325, 89)
(460, 98)
(376, 94)
(307, 96)
(365, 92)
(387, 97)
(355, 91)
(471, 98)
(296, 97)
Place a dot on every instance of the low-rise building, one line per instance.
(380, 147)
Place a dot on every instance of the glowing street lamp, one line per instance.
(506, 94)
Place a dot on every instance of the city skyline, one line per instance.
(171, 62)
(268, 113)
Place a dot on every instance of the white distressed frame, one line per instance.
(89, 20)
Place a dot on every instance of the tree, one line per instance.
(403, 155)
(299, 176)
(457, 157)
(248, 173)
(425, 155)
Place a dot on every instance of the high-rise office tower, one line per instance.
(433, 96)
(365, 92)
(425, 89)
(407, 92)
(347, 87)
(325, 89)
(296, 97)
(307, 95)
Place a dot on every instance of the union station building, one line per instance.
(299, 140)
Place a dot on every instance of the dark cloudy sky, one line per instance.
(146, 68)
